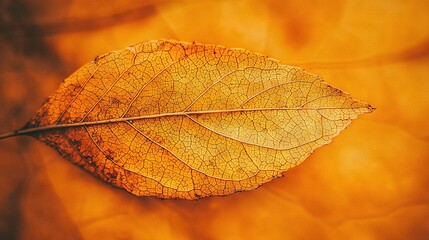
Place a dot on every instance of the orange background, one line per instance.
(371, 182)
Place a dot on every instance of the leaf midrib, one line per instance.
(27, 131)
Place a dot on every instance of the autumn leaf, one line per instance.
(185, 120)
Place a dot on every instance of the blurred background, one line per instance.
(371, 182)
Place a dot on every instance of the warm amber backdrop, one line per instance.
(371, 182)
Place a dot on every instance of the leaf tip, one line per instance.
(371, 108)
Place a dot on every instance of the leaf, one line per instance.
(179, 120)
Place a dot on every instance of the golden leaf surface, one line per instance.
(185, 120)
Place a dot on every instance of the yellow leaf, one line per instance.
(179, 120)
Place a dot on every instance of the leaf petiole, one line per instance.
(10, 134)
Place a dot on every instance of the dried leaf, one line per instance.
(179, 120)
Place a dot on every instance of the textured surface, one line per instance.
(370, 183)
(179, 120)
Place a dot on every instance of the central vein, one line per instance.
(172, 114)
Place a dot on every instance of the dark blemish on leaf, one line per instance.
(75, 87)
(112, 175)
(76, 143)
(115, 102)
(96, 60)
(90, 161)
(109, 157)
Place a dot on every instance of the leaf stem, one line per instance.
(35, 129)
(10, 134)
